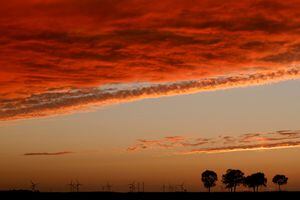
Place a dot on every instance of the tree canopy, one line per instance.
(232, 178)
(280, 180)
(209, 179)
(256, 180)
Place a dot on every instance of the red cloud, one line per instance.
(67, 45)
(59, 102)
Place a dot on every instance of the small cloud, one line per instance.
(48, 153)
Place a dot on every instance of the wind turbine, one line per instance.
(33, 186)
(77, 185)
(182, 188)
(132, 187)
(72, 186)
(140, 186)
(107, 187)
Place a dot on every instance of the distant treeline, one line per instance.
(235, 177)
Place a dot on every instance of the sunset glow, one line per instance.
(119, 90)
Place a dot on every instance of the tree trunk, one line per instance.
(279, 187)
(208, 189)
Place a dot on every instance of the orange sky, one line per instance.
(59, 57)
(159, 141)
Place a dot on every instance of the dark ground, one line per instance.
(148, 196)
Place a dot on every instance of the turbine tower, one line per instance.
(164, 188)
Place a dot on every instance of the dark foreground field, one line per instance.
(149, 196)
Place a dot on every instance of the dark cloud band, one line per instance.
(48, 153)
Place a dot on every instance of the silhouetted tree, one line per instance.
(249, 182)
(280, 180)
(233, 178)
(209, 179)
(256, 180)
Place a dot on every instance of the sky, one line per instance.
(150, 91)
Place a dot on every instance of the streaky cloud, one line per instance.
(222, 144)
(255, 147)
(62, 102)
